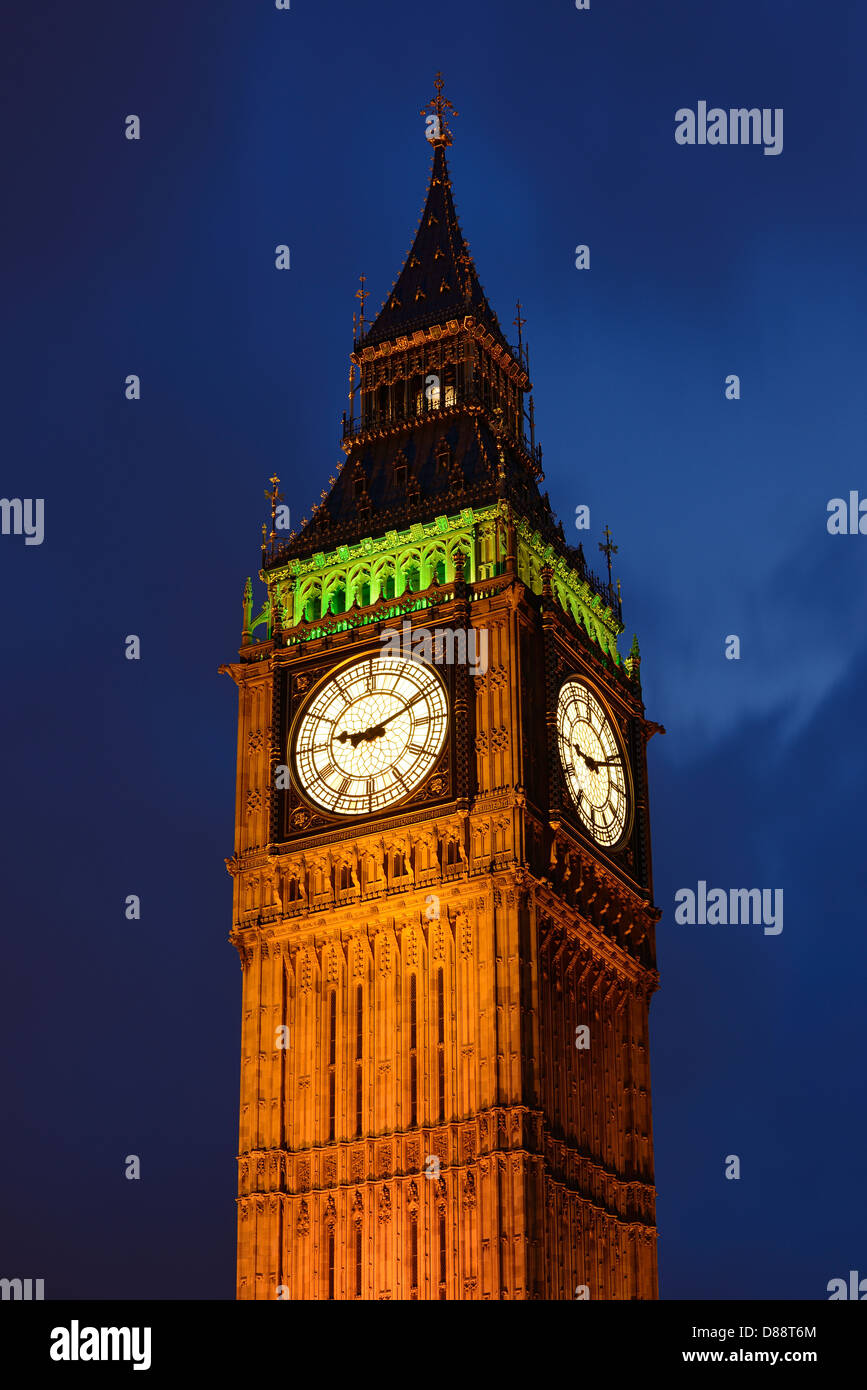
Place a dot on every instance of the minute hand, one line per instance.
(375, 730)
(382, 723)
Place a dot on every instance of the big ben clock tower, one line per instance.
(442, 881)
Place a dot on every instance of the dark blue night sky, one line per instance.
(262, 127)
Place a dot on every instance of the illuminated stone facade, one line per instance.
(445, 1088)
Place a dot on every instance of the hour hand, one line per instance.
(354, 739)
(594, 764)
(363, 735)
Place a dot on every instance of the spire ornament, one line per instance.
(608, 549)
(352, 377)
(273, 497)
(519, 323)
(361, 294)
(438, 132)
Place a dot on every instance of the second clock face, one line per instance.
(370, 735)
(593, 762)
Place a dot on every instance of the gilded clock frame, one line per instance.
(626, 756)
(330, 674)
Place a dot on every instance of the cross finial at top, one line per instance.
(361, 294)
(438, 132)
(608, 549)
(519, 323)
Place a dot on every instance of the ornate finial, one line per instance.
(274, 497)
(438, 132)
(519, 324)
(633, 662)
(608, 549)
(352, 374)
(361, 294)
(247, 604)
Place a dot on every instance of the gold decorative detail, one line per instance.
(437, 106)
(384, 1206)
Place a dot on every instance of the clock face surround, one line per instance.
(369, 735)
(594, 764)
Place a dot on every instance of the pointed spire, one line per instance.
(633, 664)
(438, 280)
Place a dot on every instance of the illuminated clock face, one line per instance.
(370, 735)
(594, 763)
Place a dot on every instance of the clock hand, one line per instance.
(375, 730)
(366, 735)
(594, 764)
(354, 739)
(403, 709)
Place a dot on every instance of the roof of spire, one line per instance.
(438, 280)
